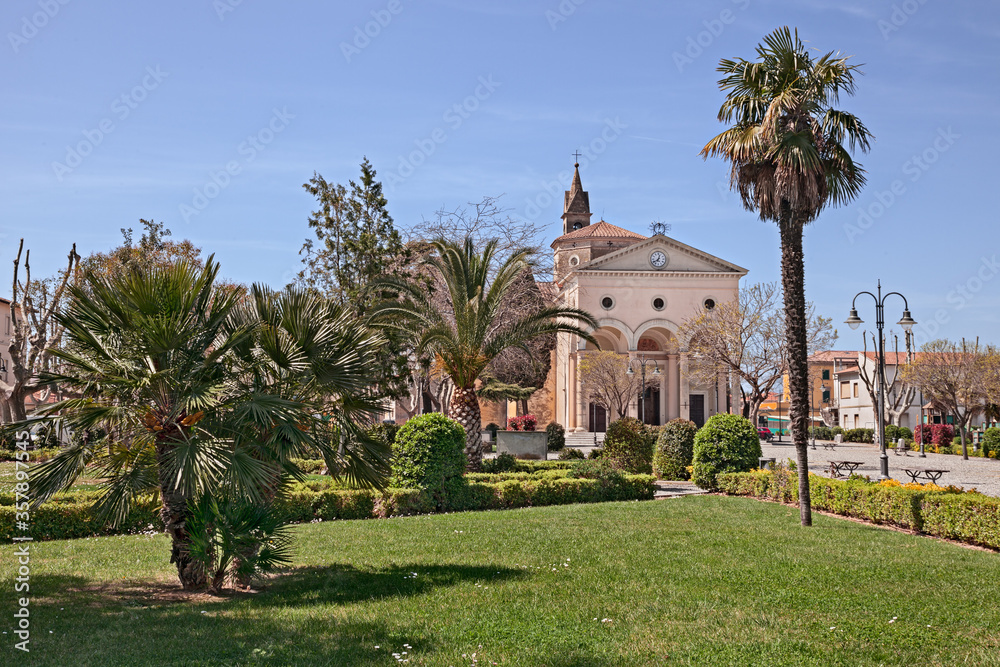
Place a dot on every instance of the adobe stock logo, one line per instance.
(248, 149)
(915, 167)
(30, 25)
(381, 18)
(714, 27)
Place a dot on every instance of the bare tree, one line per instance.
(953, 375)
(484, 221)
(746, 338)
(899, 394)
(605, 379)
(34, 332)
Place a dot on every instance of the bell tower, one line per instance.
(576, 205)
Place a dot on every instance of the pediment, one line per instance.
(680, 258)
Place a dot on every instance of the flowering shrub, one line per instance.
(522, 423)
(938, 434)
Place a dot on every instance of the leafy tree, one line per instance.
(787, 147)
(153, 249)
(467, 331)
(356, 242)
(206, 397)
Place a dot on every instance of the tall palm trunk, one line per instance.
(174, 514)
(465, 410)
(793, 286)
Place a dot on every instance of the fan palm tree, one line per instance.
(788, 148)
(200, 395)
(470, 327)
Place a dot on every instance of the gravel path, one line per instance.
(978, 473)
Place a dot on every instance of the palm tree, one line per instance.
(202, 394)
(787, 147)
(470, 327)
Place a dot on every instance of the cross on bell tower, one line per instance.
(576, 203)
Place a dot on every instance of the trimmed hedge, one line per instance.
(70, 515)
(859, 435)
(66, 519)
(967, 517)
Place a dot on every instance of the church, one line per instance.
(640, 289)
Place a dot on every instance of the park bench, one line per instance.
(837, 468)
(901, 448)
(932, 475)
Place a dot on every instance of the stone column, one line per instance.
(673, 388)
(685, 388)
(721, 407)
(664, 418)
(577, 407)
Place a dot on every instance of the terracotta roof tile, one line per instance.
(600, 229)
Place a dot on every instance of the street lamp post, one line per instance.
(906, 322)
(920, 426)
(642, 389)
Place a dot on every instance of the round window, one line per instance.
(574, 260)
(709, 304)
(659, 303)
(607, 303)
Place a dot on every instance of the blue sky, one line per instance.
(209, 116)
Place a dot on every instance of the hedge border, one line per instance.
(972, 518)
(71, 517)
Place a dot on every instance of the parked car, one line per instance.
(765, 434)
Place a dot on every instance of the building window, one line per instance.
(607, 303)
(855, 390)
(826, 375)
(845, 389)
(709, 304)
(574, 260)
(826, 395)
(659, 303)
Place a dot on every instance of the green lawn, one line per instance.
(694, 581)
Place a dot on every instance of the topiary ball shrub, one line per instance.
(628, 446)
(726, 443)
(674, 449)
(429, 454)
(555, 437)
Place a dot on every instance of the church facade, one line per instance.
(640, 289)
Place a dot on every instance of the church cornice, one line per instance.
(603, 273)
(675, 246)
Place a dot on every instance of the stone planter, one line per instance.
(523, 443)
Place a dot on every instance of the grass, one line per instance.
(88, 481)
(700, 580)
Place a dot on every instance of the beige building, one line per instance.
(640, 290)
